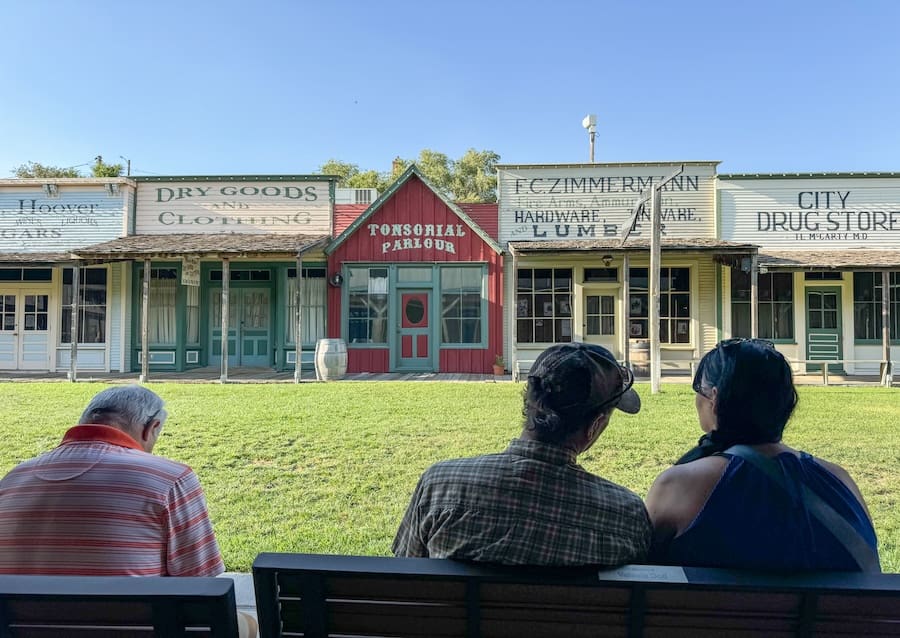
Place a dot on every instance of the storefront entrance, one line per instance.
(24, 330)
(249, 327)
(414, 352)
(823, 327)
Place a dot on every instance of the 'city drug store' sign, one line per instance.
(812, 213)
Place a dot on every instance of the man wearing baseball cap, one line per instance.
(533, 504)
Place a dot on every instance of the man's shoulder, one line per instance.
(461, 468)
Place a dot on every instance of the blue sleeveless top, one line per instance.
(749, 522)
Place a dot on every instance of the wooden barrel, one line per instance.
(639, 353)
(331, 359)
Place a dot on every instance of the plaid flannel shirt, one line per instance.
(529, 505)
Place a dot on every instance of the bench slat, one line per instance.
(369, 596)
(117, 607)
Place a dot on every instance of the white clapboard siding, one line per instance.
(816, 213)
(31, 221)
(289, 207)
(591, 202)
(706, 294)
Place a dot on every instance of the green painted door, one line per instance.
(415, 338)
(823, 327)
(249, 327)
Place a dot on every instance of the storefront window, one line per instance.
(461, 307)
(544, 305)
(368, 305)
(776, 304)
(162, 304)
(193, 313)
(674, 304)
(314, 287)
(867, 296)
(91, 306)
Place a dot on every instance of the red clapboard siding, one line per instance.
(412, 207)
(486, 216)
(346, 214)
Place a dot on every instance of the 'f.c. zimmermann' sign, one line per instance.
(239, 206)
(582, 204)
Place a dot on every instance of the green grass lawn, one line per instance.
(329, 467)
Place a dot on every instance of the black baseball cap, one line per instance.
(563, 369)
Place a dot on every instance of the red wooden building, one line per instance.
(416, 285)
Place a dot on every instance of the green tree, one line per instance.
(437, 168)
(37, 170)
(344, 170)
(471, 178)
(475, 177)
(102, 169)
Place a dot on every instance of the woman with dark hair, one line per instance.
(742, 498)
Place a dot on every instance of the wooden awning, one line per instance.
(35, 259)
(211, 245)
(632, 244)
(850, 259)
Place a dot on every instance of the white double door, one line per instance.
(24, 330)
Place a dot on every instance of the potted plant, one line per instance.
(499, 365)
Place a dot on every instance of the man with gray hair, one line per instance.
(101, 504)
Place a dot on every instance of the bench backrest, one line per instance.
(320, 595)
(120, 606)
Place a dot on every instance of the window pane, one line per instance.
(766, 322)
(740, 285)
(682, 329)
(543, 331)
(543, 305)
(608, 326)
(782, 286)
(607, 304)
(562, 279)
(681, 305)
(638, 329)
(593, 304)
(525, 331)
(593, 325)
(815, 319)
(543, 280)
(416, 274)
(863, 286)
(681, 279)
(523, 306)
(740, 320)
(524, 281)
(638, 278)
(563, 330)
(784, 321)
(605, 275)
(765, 287)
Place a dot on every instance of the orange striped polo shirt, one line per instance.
(98, 505)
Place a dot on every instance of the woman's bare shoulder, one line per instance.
(679, 493)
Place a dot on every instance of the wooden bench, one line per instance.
(317, 595)
(116, 606)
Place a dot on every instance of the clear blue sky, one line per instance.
(196, 87)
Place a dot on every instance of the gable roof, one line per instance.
(386, 195)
